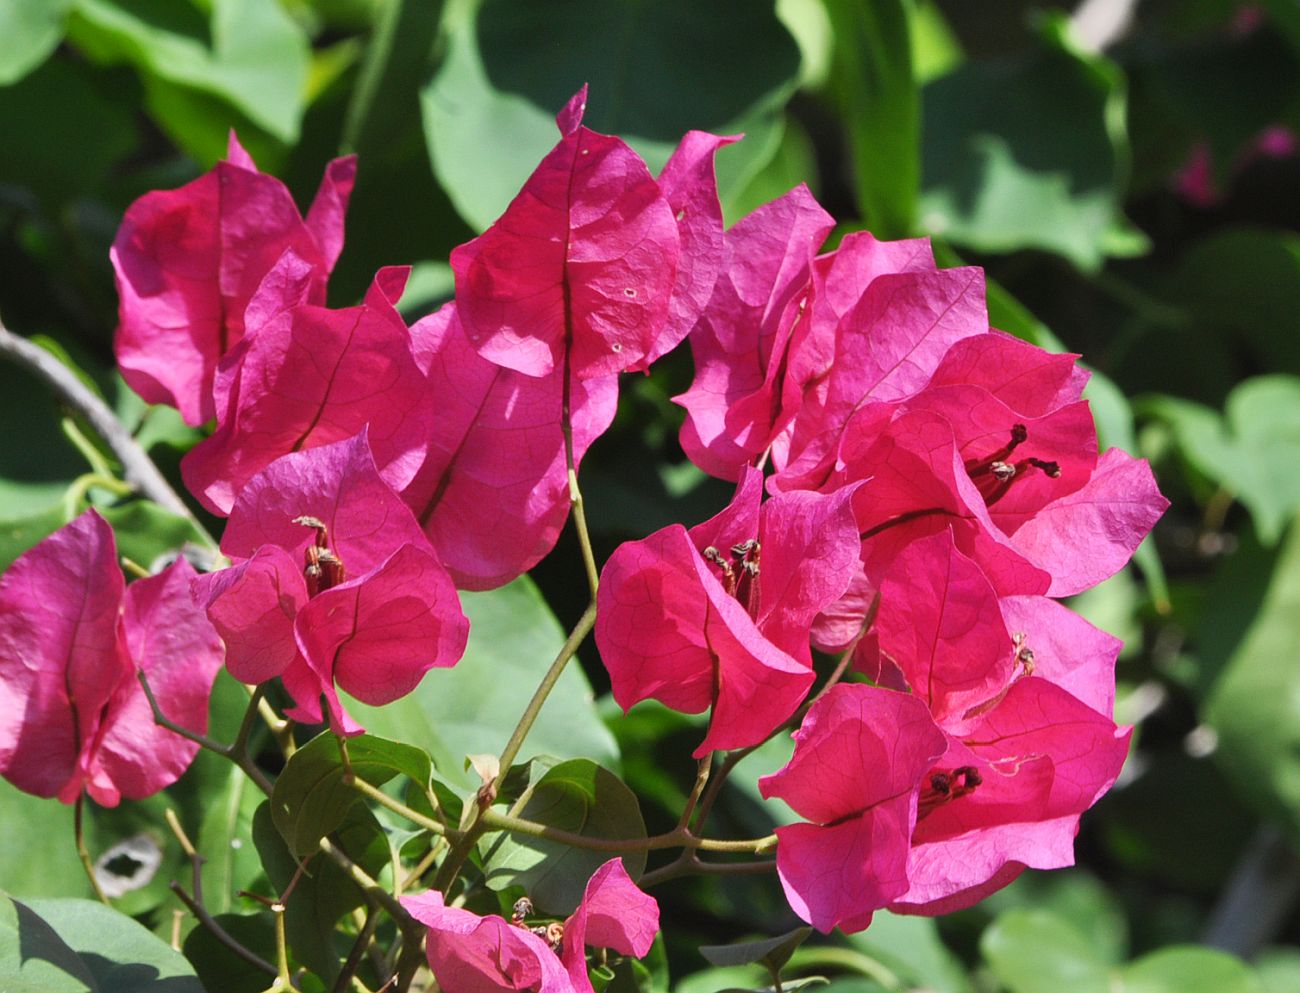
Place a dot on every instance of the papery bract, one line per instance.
(719, 616)
(580, 269)
(474, 954)
(1040, 758)
(858, 759)
(740, 343)
(483, 954)
(188, 261)
(493, 492)
(308, 376)
(614, 913)
(72, 640)
(389, 616)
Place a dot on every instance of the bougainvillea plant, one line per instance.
(914, 493)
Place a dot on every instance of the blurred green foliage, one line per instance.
(1133, 192)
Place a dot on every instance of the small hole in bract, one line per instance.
(629, 292)
(681, 214)
(616, 347)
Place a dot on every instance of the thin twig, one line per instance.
(137, 467)
(83, 852)
(195, 902)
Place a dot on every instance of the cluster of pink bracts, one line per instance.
(932, 485)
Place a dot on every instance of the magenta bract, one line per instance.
(493, 492)
(857, 759)
(482, 954)
(308, 376)
(333, 583)
(719, 616)
(72, 639)
(580, 269)
(189, 260)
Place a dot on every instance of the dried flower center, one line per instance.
(322, 569)
(995, 473)
(944, 787)
(739, 573)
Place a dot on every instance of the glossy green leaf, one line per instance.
(880, 106)
(1189, 970)
(1278, 970)
(310, 798)
(225, 840)
(772, 953)
(120, 954)
(35, 863)
(1034, 951)
(29, 31)
(473, 708)
(1255, 708)
(34, 958)
(1029, 153)
(221, 969)
(510, 67)
(1253, 451)
(247, 53)
(580, 797)
(323, 892)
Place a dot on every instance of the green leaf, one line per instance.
(1255, 708)
(1034, 951)
(323, 892)
(473, 708)
(1253, 451)
(29, 32)
(1029, 153)
(249, 54)
(121, 955)
(580, 797)
(1278, 970)
(221, 969)
(310, 798)
(510, 67)
(225, 841)
(39, 862)
(772, 953)
(396, 62)
(60, 106)
(911, 948)
(880, 105)
(1189, 970)
(34, 959)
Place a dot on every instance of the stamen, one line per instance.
(945, 787)
(322, 569)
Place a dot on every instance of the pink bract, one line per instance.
(580, 270)
(858, 758)
(493, 492)
(373, 623)
(719, 616)
(72, 639)
(188, 261)
(483, 954)
(307, 376)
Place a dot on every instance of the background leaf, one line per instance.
(472, 709)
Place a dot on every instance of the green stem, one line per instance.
(680, 838)
(847, 958)
(83, 852)
(236, 753)
(397, 807)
